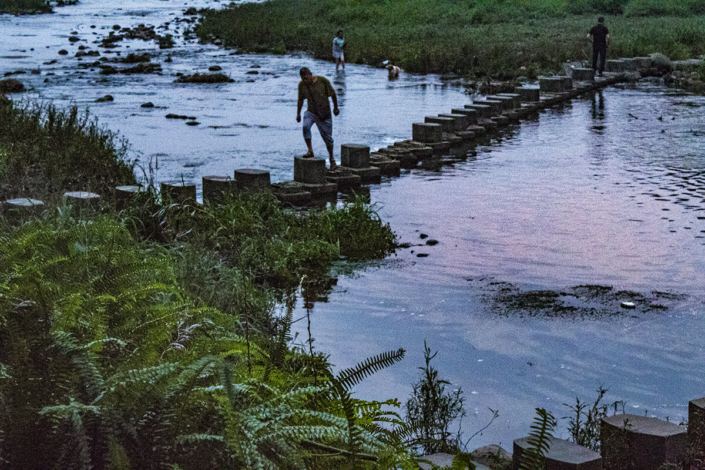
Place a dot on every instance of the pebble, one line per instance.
(104, 99)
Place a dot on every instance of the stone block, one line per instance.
(387, 166)
(422, 153)
(178, 193)
(501, 121)
(406, 159)
(292, 193)
(22, 207)
(528, 95)
(82, 201)
(461, 121)
(629, 65)
(343, 179)
(321, 190)
(614, 65)
(216, 189)
(355, 156)
(466, 135)
(447, 124)
(488, 124)
(483, 110)
(696, 424)
(369, 175)
(567, 83)
(439, 148)
(642, 63)
(427, 132)
(310, 170)
(551, 84)
(583, 75)
(645, 443)
(507, 101)
(516, 98)
(249, 179)
(470, 113)
(125, 196)
(497, 106)
(477, 130)
(561, 455)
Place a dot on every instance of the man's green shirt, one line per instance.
(317, 95)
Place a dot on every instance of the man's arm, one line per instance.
(334, 97)
(607, 39)
(299, 105)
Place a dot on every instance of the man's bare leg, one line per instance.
(332, 160)
(310, 148)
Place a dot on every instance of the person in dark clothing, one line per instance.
(600, 38)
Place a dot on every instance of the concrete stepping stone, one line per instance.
(22, 207)
(343, 178)
(386, 165)
(696, 424)
(217, 188)
(251, 179)
(309, 170)
(484, 111)
(82, 201)
(562, 455)
(461, 121)
(497, 106)
(516, 97)
(507, 101)
(427, 132)
(355, 156)
(292, 193)
(528, 95)
(178, 193)
(447, 124)
(470, 113)
(583, 75)
(551, 84)
(126, 195)
(644, 442)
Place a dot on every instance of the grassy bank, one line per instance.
(21, 7)
(500, 38)
(47, 151)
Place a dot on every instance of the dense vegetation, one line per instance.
(47, 151)
(502, 38)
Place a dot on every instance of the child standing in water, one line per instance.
(339, 49)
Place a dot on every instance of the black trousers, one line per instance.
(602, 52)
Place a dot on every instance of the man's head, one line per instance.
(306, 75)
(339, 33)
(601, 19)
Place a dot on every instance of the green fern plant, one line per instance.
(533, 458)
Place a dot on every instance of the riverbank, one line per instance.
(472, 39)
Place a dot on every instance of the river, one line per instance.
(608, 190)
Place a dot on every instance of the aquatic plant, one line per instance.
(430, 411)
(584, 424)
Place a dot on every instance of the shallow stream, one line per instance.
(606, 192)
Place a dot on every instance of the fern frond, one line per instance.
(348, 378)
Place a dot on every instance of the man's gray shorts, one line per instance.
(324, 127)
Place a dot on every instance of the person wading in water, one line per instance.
(317, 90)
(600, 38)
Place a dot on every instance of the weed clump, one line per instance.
(49, 151)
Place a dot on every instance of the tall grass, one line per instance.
(25, 6)
(482, 37)
(48, 151)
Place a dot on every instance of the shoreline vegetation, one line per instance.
(477, 38)
(31, 7)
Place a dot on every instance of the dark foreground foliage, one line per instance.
(25, 6)
(107, 361)
(477, 37)
(46, 151)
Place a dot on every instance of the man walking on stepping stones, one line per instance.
(317, 90)
(600, 38)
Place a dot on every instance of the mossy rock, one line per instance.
(11, 85)
(205, 78)
(661, 62)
